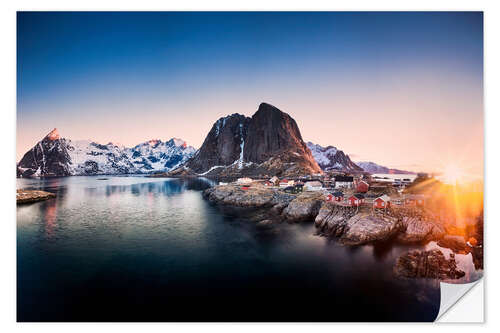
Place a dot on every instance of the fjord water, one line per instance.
(146, 249)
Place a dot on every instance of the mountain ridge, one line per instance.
(373, 168)
(330, 158)
(57, 156)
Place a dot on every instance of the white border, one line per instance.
(7, 132)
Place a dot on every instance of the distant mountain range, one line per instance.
(56, 156)
(375, 168)
(268, 143)
(330, 158)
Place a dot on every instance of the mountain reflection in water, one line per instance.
(148, 249)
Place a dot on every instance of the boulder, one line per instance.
(415, 229)
(364, 228)
(427, 264)
(332, 218)
(304, 207)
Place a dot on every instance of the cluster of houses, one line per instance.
(357, 187)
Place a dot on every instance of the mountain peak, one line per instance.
(266, 107)
(178, 142)
(53, 135)
(153, 142)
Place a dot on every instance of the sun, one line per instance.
(452, 174)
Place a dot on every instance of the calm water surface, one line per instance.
(143, 249)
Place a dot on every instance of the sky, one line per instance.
(404, 90)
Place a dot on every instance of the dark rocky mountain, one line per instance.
(49, 157)
(223, 145)
(269, 143)
(375, 168)
(330, 158)
(56, 156)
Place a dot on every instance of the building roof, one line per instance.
(314, 183)
(344, 178)
(338, 194)
(384, 197)
(359, 196)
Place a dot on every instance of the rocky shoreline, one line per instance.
(352, 225)
(29, 196)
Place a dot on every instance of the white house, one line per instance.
(244, 180)
(344, 181)
(313, 186)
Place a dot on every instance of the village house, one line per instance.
(268, 183)
(285, 183)
(313, 186)
(338, 196)
(344, 181)
(415, 200)
(384, 201)
(244, 180)
(362, 186)
(356, 200)
(335, 196)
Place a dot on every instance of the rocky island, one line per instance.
(29, 196)
(427, 264)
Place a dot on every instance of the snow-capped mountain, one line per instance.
(376, 168)
(56, 156)
(330, 158)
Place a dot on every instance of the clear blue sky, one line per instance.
(130, 77)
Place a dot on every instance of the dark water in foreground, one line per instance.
(139, 249)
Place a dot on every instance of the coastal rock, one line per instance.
(304, 207)
(354, 227)
(255, 196)
(265, 224)
(427, 264)
(415, 229)
(29, 196)
(364, 228)
(332, 219)
(453, 242)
